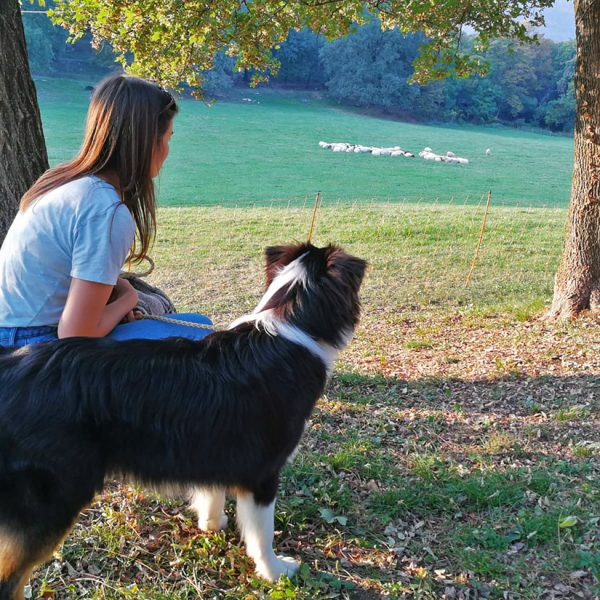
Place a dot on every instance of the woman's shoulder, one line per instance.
(87, 185)
(87, 194)
(97, 206)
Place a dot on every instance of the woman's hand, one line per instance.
(132, 315)
(124, 289)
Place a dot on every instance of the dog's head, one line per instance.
(315, 289)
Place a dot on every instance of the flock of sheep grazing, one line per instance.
(426, 153)
(449, 157)
(357, 148)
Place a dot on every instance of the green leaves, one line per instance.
(330, 517)
(566, 522)
(172, 41)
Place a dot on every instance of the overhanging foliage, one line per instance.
(174, 41)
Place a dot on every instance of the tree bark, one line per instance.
(577, 283)
(23, 156)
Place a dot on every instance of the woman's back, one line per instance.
(79, 229)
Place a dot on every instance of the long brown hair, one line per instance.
(126, 118)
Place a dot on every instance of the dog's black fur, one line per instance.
(226, 411)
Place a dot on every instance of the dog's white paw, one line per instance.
(277, 566)
(213, 524)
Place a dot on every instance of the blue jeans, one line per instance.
(21, 336)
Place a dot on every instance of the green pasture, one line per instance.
(419, 255)
(454, 453)
(267, 150)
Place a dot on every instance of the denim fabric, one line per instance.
(21, 336)
(145, 329)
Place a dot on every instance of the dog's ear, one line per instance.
(277, 257)
(350, 267)
(274, 256)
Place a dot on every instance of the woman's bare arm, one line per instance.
(86, 311)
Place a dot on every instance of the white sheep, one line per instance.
(449, 157)
(427, 154)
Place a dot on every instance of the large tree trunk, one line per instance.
(577, 284)
(23, 155)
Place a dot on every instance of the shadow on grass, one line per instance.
(492, 483)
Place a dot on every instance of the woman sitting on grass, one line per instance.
(61, 259)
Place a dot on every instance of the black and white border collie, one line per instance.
(221, 414)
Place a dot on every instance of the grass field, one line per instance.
(454, 454)
(264, 150)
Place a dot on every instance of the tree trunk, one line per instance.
(577, 283)
(23, 155)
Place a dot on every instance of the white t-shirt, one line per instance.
(80, 229)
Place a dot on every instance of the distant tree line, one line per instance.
(527, 85)
(50, 54)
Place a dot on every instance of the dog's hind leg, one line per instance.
(37, 510)
(209, 504)
(21, 552)
(255, 517)
(12, 575)
(12, 589)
